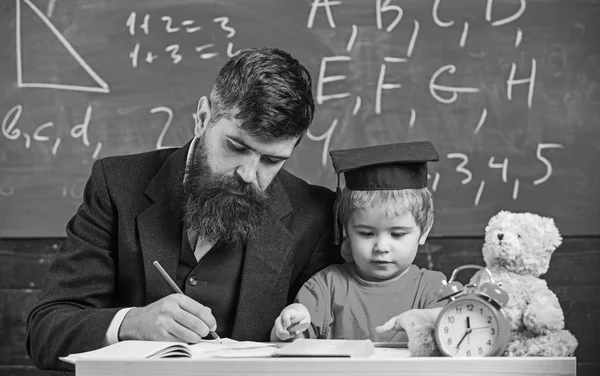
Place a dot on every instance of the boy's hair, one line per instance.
(268, 90)
(418, 201)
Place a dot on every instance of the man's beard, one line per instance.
(213, 209)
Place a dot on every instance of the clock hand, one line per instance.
(480, 327)
(463, 338)
(468, 329)
(467, 332)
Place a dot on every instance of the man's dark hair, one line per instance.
(268, 90)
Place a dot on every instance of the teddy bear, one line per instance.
(517, 250)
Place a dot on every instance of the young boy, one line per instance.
(386, 211)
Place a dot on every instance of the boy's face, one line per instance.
(383, 244)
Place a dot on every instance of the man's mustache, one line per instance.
(218, 185)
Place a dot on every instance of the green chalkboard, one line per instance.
(507, 90)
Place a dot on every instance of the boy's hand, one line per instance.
(409, 319)
(292, 321)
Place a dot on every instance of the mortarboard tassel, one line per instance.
(337, 225)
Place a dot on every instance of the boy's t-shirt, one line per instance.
(342, 305)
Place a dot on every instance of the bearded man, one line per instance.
(237, 233)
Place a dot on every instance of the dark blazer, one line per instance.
(130, 217)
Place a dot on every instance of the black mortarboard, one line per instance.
(383, 167)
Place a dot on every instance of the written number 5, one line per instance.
(538, 154)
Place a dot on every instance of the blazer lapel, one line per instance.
(160, 226)
(264, 263)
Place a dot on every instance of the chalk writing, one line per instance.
(479, 192)
(391, 68)
(461, 167)
(503, 166)
(352, 38)
(386, 7)
(481, 121)
(441, 86)
(436, 17)
(42, 132)
(325, 136)
(161, 136)
(382, 86)
(130, 23)
(506, 20)
(322, 79)
(316, 4)
(174, 51)
(436, 180)
(434, 87)
(531, 81)
(545, 161)
(463, 37)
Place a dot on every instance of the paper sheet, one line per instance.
(229, 348)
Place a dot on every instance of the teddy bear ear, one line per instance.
(495, 218)
(552, 235)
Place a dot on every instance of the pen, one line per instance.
(177, 289)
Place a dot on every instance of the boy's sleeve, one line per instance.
(315, 296)
(433, 282)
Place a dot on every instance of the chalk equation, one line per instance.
(174, 51)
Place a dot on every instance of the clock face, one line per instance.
(469, 328)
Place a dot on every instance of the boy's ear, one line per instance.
(202, 116)
(346, 248)
(424, 236)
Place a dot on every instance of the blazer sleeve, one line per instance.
(73, 311)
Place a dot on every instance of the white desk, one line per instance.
(332, 367)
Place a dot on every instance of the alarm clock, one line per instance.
(473, 323)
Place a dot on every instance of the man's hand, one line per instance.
(176, 318)
(292, 321)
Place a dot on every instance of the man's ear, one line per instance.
(202, 116)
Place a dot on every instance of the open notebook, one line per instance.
(132, 350)
(229, 348)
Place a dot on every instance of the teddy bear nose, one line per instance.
(500, 236)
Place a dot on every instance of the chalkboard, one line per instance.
(507, 90)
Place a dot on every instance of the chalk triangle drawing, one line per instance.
(102, 86)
